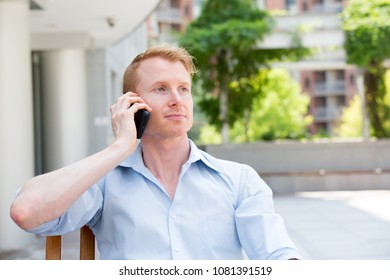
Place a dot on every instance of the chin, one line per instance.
(178, 133)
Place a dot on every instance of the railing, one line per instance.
(329, 87)
(327, 114)
(327, 8)
(323, 172)
(169, 15)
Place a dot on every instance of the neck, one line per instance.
(165, 158)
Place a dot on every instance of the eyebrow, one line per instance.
(164, 82)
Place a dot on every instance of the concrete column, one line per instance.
(16, 115)
(64, 107)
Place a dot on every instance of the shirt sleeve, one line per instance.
(81, 212)
(261, 231)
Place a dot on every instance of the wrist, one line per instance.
(123, 148)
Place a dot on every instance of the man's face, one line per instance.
(166, 87)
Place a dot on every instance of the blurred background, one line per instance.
(298, 89)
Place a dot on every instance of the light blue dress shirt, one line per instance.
(221, 210)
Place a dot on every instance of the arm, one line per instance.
(48, 196)
(261, 231)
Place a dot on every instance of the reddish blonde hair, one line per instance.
(168, 52)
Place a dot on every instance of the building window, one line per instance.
(175, 3)
(321, 127)
(340, 75)
(305, 6)
(307, 83)
(176, 27)
(320, 76)
(340, 101)
(352, 79)
(320, 102)
(187, 10)
(291, 5)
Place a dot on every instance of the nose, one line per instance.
(175, 98)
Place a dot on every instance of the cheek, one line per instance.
(189, 101)
(154, 103)
(191, 115)
(191, 109)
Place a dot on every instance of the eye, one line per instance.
(184, 90)
(161, 89)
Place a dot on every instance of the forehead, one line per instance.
(160, 68)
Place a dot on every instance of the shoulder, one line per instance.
(241, 178)
(228, 167)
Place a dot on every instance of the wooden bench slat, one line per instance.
(53, 247)
(87, 245)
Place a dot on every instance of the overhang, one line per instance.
(85, 23)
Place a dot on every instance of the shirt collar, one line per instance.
(136, 162)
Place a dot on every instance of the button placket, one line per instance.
(174, 231)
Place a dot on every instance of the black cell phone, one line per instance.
(141, 118)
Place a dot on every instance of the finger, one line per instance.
(140, 105)
(130, 93)
(124, 102)
(136, 100)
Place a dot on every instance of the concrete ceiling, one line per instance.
(85, 23)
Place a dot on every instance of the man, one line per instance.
(161, 198)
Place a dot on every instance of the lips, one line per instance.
(175, 116)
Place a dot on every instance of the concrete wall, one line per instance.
(105, 69)
(314, 166)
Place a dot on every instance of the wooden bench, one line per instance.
(87, 245)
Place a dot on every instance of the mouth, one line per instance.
(175, 116)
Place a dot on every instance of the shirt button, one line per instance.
(177, 249)
(173, 216)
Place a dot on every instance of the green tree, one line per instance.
(351, 120)
(224, 40)
(279, 110)
(367, 31)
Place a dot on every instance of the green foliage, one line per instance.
(351, 120)
(387, 86)
(367, 29)
(209, 135)
(279, 110)
(378, 109)
(386, 101)
(224, 40)
(367, 32)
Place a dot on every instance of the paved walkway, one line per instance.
(348, 225)
(324, 225)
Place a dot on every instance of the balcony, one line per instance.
(169, 15)
(329, 88)
(327, 8)
(308, 22)
(320, 31)
(325, 114)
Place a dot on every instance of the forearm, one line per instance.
(48, 196)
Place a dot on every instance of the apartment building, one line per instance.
(325, 76)
(170, 18)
